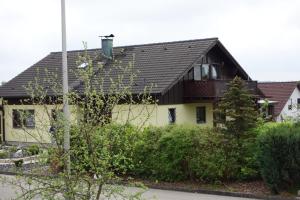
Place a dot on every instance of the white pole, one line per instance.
(65, 86)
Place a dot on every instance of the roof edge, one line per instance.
(190, 66)
(145, 44)
(223, 48)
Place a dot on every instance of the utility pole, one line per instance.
(65, 89)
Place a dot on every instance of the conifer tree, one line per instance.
(238, 109)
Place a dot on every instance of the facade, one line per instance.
(190, 77)
(283, 99)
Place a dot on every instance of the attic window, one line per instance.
(206, 72)
(83, 65)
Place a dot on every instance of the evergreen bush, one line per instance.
(279, 155)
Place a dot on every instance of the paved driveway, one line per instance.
(7, 192)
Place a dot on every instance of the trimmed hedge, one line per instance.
(279, 155)
(171, 153)
(175, 153)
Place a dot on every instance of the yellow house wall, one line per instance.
(42, 124)
(157, 115)
(140, 115)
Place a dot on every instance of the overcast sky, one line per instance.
(263, 35)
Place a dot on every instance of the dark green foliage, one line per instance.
(279, 155)
(238, 115)
(188, 153)
(18, 163)
(238, 109)
(33, 149)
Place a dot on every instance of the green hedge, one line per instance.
(189, 153)
(171, 153)
(279, 155)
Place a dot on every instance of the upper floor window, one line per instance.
(172, 115)
(206, 72)
(23, 118)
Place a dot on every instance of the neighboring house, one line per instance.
(283, 99)
(190, 77)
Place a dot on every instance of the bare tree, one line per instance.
(100, 148)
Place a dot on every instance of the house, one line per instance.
(283, 99)
(190, 77)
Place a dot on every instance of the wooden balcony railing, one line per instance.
(212, 88)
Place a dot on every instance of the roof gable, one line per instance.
(278, 91)
(162, 64)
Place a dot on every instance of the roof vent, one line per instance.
(107, 45)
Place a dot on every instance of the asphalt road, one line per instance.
(8, 192)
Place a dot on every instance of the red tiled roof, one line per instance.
(278, 91)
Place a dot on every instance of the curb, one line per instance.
(200, 191)
(221, 193)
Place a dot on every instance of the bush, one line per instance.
(112, 144)
(18, 163)
(279, 155)
(33, 149)
(4, 154)
(190, 152)
(171, 153)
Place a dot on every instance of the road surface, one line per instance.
(8, 192)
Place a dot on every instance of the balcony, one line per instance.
(211, 88)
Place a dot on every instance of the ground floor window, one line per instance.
(172, 115)
(23, 118)
(201, 115)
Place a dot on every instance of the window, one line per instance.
(290, 107)
(201, 115)
(205, 71)
(197, 73)
(23, 118)
(215, 74)
(172, 115)
(298, 103)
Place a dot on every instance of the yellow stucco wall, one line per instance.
(42, 124)
(140, 115)
(157, 115)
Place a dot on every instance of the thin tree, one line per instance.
(100, 150)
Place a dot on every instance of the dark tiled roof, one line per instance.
(278, 91)
(158, 63)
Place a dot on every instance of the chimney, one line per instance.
(107, 46)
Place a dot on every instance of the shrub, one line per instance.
(279, 155)
(4, 154)
(190, 152)
(112, 144)
(18, 163)
(55, 160)
(12, 149)
(33, 149)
